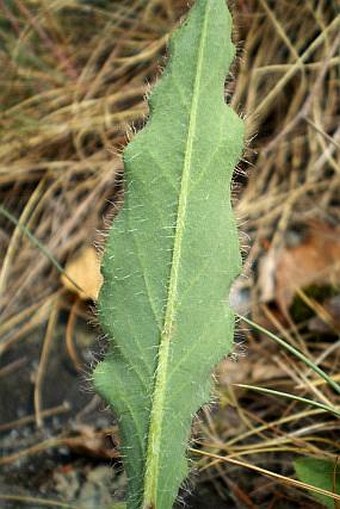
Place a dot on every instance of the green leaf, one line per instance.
(170, 259)
(322, 474)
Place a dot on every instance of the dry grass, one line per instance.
(76, 74)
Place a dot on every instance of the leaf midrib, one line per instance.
(158, 399)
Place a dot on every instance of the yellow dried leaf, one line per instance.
(84, 270)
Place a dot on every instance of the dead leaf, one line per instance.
(315, 261)
(84, 270)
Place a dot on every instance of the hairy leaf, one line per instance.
(171, 257)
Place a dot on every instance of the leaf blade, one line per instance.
(320, 473)
(159, 359)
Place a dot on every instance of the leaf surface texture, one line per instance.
(170, 259)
